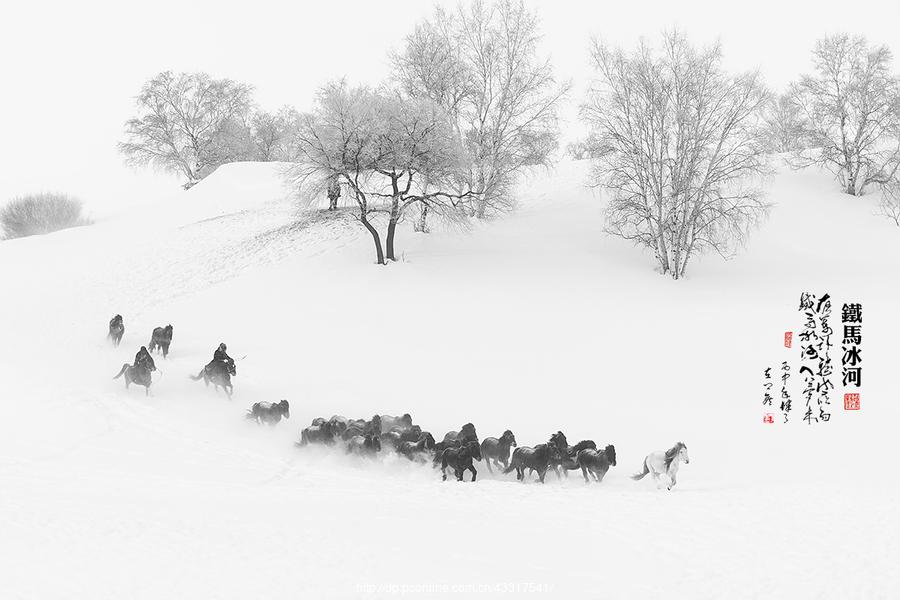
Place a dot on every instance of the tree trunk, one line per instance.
(392, 223)
(392, 228)
(421, 224)
(378, 250)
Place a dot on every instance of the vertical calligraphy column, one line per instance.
(815, 356)
(851, 362)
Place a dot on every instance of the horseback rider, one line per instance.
(220, 357)
(143, 359)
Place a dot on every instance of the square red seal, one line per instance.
(768, 418)
(788, 337)
(851, 401)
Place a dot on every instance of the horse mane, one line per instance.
(672, 452)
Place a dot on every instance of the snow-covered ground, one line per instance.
(536, 322)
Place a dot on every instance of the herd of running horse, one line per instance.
(457, 451)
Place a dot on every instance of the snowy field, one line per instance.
(536, 322)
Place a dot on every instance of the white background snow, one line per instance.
(536, 322)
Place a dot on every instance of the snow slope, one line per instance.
(536, 322)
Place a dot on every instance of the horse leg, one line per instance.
(487, 462)
(584, 472)
(542, 474)
(474, 472)
(594, 473)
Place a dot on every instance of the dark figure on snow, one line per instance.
(116, 329)
(269, 412)
(160, 340)
(219, 371)
(334, 193)
(140, 371)
(220, 356)
(143, 359)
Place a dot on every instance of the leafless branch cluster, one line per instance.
(680, 147)
(851, 112)
(390, 152)
(190, 124)
(480, 64)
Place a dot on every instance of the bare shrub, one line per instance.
(41, 213)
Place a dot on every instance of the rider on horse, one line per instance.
(143, 359)
(220, 357)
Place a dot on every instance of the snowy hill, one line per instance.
(536, 322)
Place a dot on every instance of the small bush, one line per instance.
(41, 213)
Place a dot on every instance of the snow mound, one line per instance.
(537, 322)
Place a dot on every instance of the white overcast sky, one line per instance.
(70, 69)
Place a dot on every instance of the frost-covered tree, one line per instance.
(480, 63)
(890, 201)
(679, 143)
(390, 153)
(271, 134)
(785, 125)
(189, 123)
(851, 106)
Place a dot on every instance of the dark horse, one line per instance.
(116, 330)
(536, 459)
(461, 460)
(219, 373)
(139, 374)
(320, 432)
(269, 412)
(466, 433)
(364, 445)
(160, 340)
(564, 457)
(416, 450)
(598, 463)
(497, 450)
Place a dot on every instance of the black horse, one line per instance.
(536, 459)
(416, 450)
(497, 450)
(564, 456)
(139, 374)
(317, 433)
(364, 445)
(461, 460)
(363, 427)
(466, 433)
(116, 330)
(269, 412)
(218, 373)
(598, 463)
(160, 340)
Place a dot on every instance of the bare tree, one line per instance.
(188, 123)
(481, 64)
(271, 134)
(785, 125)
(890, 201)
(386, 150)
(851, 105)
(679, 142)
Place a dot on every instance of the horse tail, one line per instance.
(199, 375)
(512, 465)
(638, 476)
(124, 367)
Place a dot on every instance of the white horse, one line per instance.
(666, 462)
